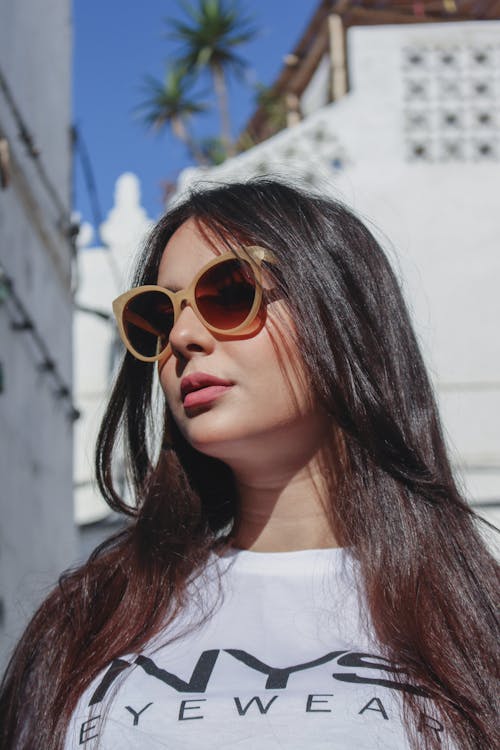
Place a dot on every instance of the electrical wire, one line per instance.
(65, 220)
(97, 215)
(24, 322)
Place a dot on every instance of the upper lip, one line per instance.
(198, 380)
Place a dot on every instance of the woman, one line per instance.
(300, 569)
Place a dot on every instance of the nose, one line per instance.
(189, 335)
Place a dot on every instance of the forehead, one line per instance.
(185, 253)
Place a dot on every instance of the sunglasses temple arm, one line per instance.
(271, 295)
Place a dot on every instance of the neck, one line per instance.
(283, 511)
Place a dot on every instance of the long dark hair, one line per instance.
(429, 580)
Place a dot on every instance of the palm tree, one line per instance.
(208, 39)
(168, 103)
(213, 149)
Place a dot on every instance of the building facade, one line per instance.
(37, 532)
(401, 120)
(103, 273)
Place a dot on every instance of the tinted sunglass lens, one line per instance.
(225, 294)
(148, 320)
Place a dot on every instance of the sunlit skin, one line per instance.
(264, 426)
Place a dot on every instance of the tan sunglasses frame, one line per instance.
(254, 255)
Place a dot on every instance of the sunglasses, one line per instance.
(226, 295)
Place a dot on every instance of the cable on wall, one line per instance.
(66, 223)
(24, 322)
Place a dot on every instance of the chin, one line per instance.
(205, 435)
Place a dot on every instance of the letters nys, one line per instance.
(348, 667)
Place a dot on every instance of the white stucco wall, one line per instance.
(37, 533)
(436, 214)
(317, 93)
(104, 273)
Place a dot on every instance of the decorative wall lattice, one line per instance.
(313, 153)
(451, 107)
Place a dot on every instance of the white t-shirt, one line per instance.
(283, 661)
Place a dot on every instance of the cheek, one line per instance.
(267, 367)
(283, 360)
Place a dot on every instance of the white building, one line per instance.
(414, 146)
(37, 532)
(103, 273)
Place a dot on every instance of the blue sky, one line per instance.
(116, 43)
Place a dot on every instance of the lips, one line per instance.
(201, 388)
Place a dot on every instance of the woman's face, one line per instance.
(263, 408)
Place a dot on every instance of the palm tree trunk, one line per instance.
(181, 132)
(221, 93)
